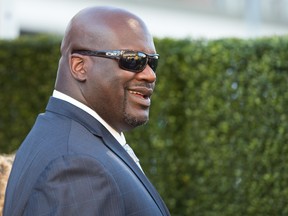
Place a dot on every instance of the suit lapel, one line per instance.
(115, 147)
(95, 127)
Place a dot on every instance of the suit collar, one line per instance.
(112, 144)
(119, 136)
(95, 127)
(67, 109)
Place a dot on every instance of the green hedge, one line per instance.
(27, 73)
(217, 140)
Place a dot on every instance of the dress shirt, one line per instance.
(118, 136)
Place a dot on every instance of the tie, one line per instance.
(132, 154)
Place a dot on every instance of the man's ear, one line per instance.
(78, 68)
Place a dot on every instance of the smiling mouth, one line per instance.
(139, 94)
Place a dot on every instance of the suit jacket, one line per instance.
(69, 164)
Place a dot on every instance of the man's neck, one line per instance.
(118, 136)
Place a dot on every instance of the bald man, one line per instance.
(75, 160)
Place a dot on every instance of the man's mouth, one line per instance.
(139, 94)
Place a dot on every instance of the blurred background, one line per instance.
(165, 18)
(216, 143)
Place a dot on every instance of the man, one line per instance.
(74, 162)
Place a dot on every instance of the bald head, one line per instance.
(99, 27)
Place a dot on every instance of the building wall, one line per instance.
(165, 18)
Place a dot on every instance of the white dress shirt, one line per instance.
(118, 136)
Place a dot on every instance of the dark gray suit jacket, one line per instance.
(69, 164)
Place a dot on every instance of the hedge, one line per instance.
(217, 141)
(27, 70)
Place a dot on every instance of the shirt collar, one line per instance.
(118, 136)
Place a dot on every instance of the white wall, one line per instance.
(53, 15)
(8, 23)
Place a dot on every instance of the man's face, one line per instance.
(122, 98)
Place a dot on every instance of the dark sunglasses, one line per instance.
(129, 60)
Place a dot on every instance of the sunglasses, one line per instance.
(129, 60)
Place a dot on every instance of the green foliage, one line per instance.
(27, 70)
(216, 140)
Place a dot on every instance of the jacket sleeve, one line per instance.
(75, 185)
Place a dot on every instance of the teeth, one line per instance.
(138, 93)
(134, 92)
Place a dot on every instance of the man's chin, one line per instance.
(135, 121)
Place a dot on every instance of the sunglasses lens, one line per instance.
(153, 62)
(133, 61)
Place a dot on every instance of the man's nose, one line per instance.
(147, 74)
